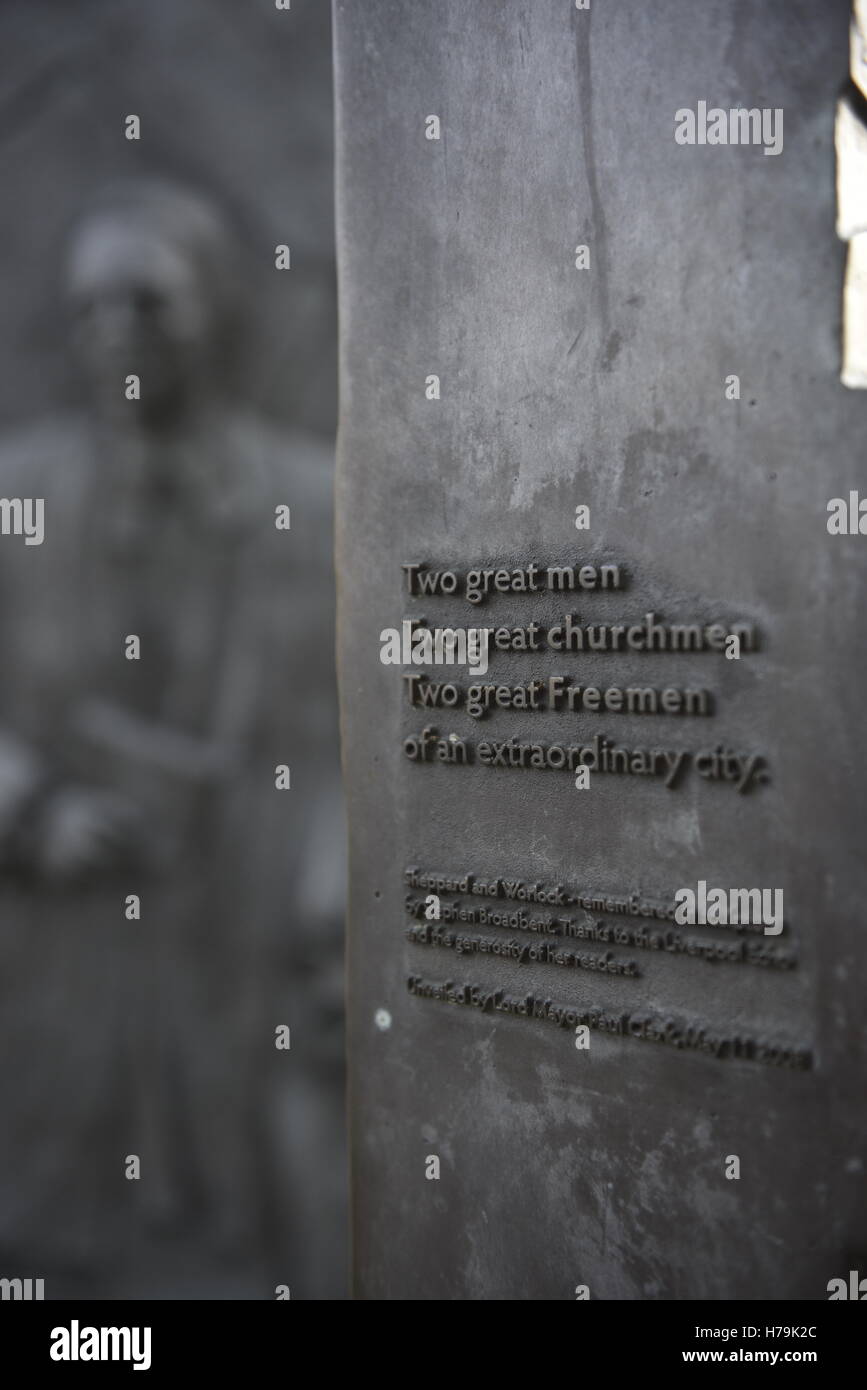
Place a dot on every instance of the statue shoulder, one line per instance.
(46, 457)
(287, 457)
(282, 467)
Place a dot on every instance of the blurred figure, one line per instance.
(166, 648)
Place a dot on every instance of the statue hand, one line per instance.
(86, 831)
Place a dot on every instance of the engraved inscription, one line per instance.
(549, 928)
(543, 921)
(556, 693)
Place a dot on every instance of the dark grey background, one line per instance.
(234, 97)
(235, 100)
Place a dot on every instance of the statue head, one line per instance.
(151, 279)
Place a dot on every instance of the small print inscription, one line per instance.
(539, 923)
(641, 1024)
